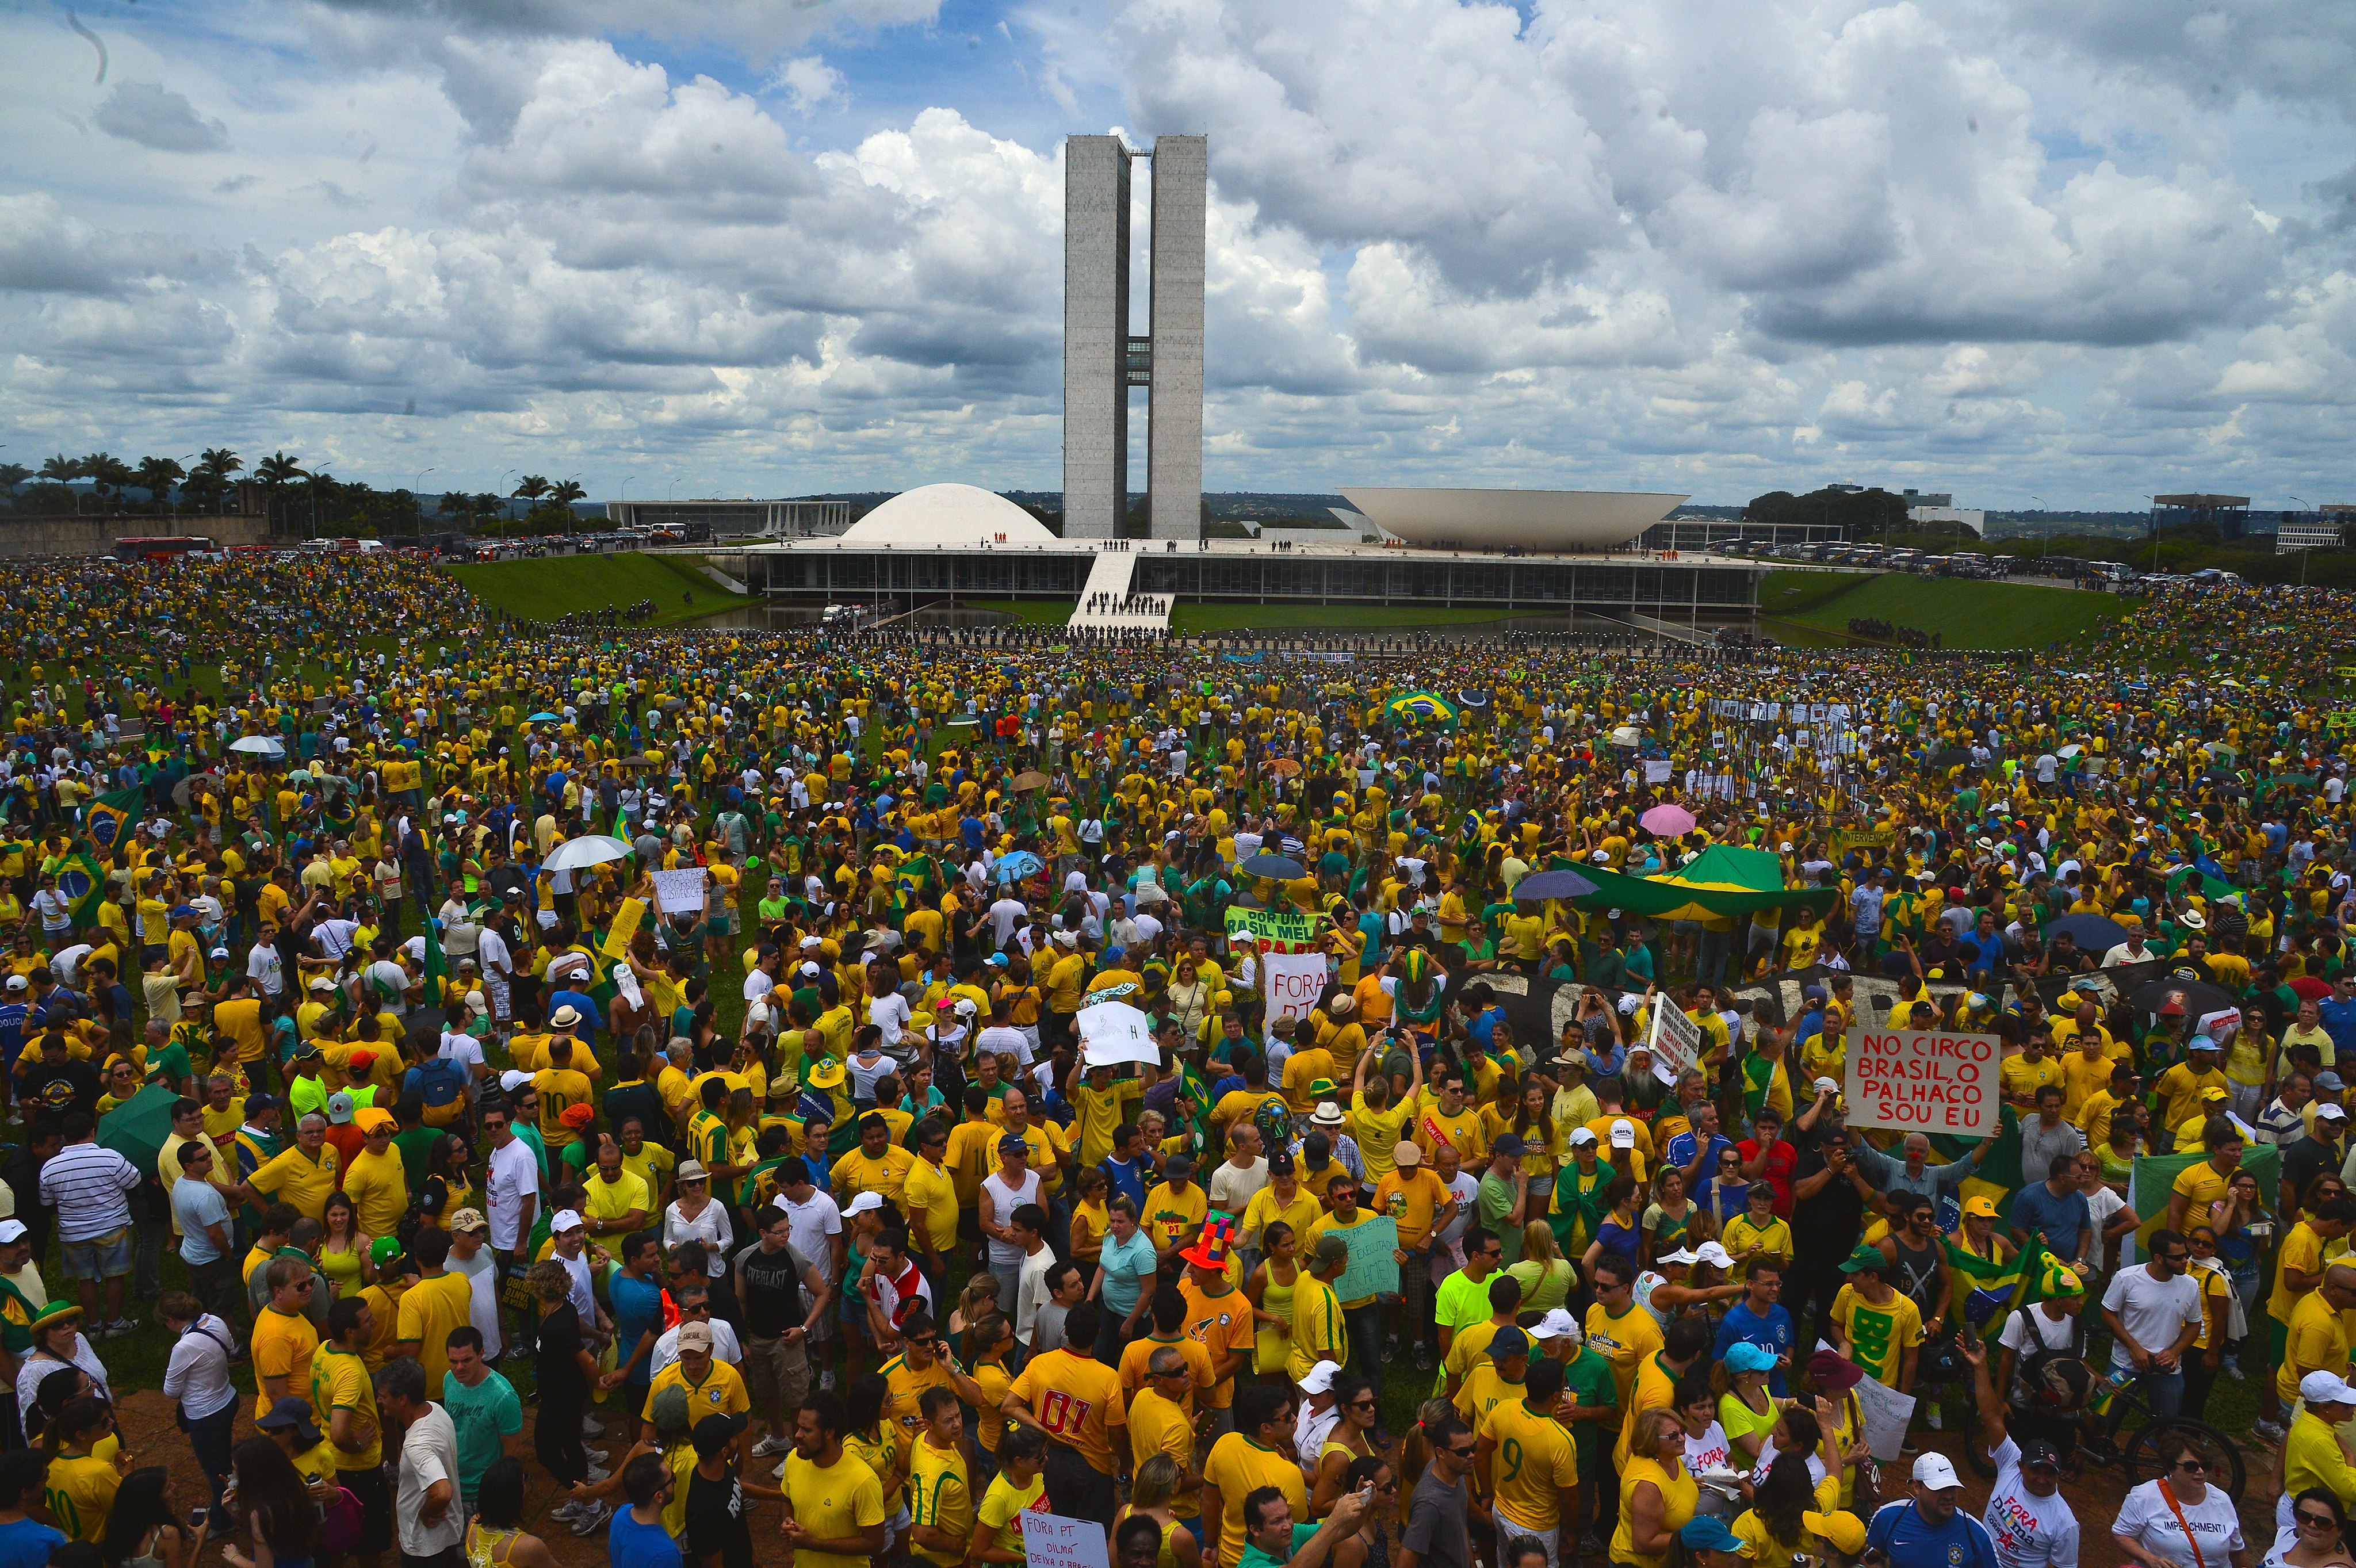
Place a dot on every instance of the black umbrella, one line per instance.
(2196, 996)
(2092, 933)
(1553, 884)
(1954, 756)
(1274, 865)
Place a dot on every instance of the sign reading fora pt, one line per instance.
(1924, 1081)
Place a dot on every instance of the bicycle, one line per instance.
(2144, 1455)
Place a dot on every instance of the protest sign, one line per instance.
(1115, 1032)
(1886, 1414)
(1051, 1540)
(626, 925)
(1286, 926)
(679, 891)
(1372, 1270)
(1847, 839)
(1924, 1081)
(1295, 981)
(1676, 1040)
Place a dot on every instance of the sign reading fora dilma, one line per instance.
(1924, 1081)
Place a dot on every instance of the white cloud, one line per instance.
(809, 81)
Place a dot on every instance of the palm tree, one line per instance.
(12, 475)
(60, 469)
(156, 476)
(107, 475)
(214, 466)
(275, 472)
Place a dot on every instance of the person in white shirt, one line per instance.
(425, 1503)
(198, 1376)
(2155, 1313)
(265, 967)
(695, 1303)
(2031, 1523)
(511, 1186)
(2179, 1521)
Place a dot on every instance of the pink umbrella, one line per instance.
(1667, 822)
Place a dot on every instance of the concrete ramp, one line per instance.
(1108, 605)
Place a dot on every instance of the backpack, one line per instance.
(2051, 1380)
(441, 1084)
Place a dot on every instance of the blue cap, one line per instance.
(1708, 1532)
(1507, 1343)
(1114, 954)
(1742, 1356)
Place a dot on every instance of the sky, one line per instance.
(2034, 252)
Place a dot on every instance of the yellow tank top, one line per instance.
(488, 1548)
(1679, 1492)
(344, 1268)
(1272, 1342)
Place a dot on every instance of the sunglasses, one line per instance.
(1456, 1453)
(2316, 1521)
(2193, 1466)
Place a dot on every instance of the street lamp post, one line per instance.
(417, 501)
(572, 519)
(2305, 551)
(502, 524)
(2044, 528)
(2154, 519)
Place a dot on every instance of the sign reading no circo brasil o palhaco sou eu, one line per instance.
(1924, 1081)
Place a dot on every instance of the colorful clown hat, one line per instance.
(1210, 1251)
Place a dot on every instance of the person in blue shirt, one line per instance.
(637, 1537)
(25, 1541)
(1928, 1530)
(637, 1293)
(1756, 1334)
(2336, 1014)
(2055, 1211)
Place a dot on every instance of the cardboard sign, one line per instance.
(1372, 1270)
(1115, 1032)
(626, 925)
(1295, 981)
(1924, 1081)
(1847, 839)
(679, 891)
(1676, 1042)
(1886, 1414)
(1051, 1540)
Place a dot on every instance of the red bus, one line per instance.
(161, 547)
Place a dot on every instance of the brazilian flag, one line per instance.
(107, 819)
(83, 883)
(1986, 1291)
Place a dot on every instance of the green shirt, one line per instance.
(416, 1146)
(1496, 1201)
(1588, 1376)
(1253, 1557)
(484, 1416)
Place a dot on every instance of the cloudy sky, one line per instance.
(2075, 250)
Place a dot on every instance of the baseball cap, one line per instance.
(2330, 1111)
(292, 1414)
(2037, 1453)
(1709, 1532)
(1845, 1531)
(468, 1219)
(1179, 1165)
(1742, 1356)
(2326, 1388)
(1406, 1155)
(384, 1250)
(1506, 1343)
(339, 1108)
(1508, 1144)
(715, 1432)
(1332, 1248)
(1558, 1324)
(513, 1079)
(865, 1203)
(19, 982)
(1581, 1136)
(1937, 1472)
(566, 1219)
(1979, 1207)
(1279, 1162)
(1320, 1378)
(1833, 1373)
(695, 1336)
(12, 1230)
(1624, 1133)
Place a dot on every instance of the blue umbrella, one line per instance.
(1274, 865)
(1553, 884)
(1016, 866)
(542, 719)
(2092, 933)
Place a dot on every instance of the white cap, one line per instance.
(2326, 1388)
(1320, 1378)
(1715, 1256)
(1682, 1255)
(513, 1079)
(865, 1203)
(1624, 1133)
(1828, 1086)
(1937, 1472)
(566, 1220)
(1582, 1136)
(1557, 1324)
(12, 1230)
(2333, 1112)
(18, 982)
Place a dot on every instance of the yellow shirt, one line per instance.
(1376, 1133)
(1879, 1333)
(1484, 1390)
(1266, 1208)
(1678, 1491)
(81, 1494)
(1624, 1341)
(1075, 1400)
(2023, 1078)
(379, 1189)
(610, 1200)
(722, 1392)
(295, 1179)
(1174, 1217)
(1158, 1426)
(1411, 1198)
(283, 1346)
(1239, 1467)
(2302, 1249)
(340, 1381)
(1319, 1332)
(839, 1500)
(1433, 1128)
(929, 1196)
(2318, 1341)
(941, 1495)
(1534, 1462)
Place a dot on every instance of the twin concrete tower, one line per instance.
(1102, 357)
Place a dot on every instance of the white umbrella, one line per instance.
(575, 855)
(259, 745)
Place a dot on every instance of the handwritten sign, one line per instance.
(678, 891)
(1114, 1032)
(1372, 1271)
(1676, 1042)
(1886, 1414)
(1847, 839)
(1051, 1540)
(626, 925)
(1924, 1081)
(1294, 981)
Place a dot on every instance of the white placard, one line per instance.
(1676, 1042)
(1115, 1032)
(1051, 1540)
(1924, 1081)
(1885, 1414)
(679, 891)
(1295, 981)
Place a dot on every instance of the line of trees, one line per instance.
(299, 500)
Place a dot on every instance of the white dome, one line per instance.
(948, 514)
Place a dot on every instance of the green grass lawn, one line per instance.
(550, 587)
(1964, 613)
(1188, 618)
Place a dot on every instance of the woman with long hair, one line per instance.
(1543, 1145)
(344, 1251)
(81, 1483)
(871, 1436)
(495, 1537)
(1658, 1494)
(1772, 1526)
(1545, 1276)
(1269, 1290)
(1351, 1439)
(1619, 1234)
(1371, 1546)
(144, 1529)
(979, 1299)
(1745, 1409)
(1669, 1216)
(267, 1495)
(1150, 1493)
